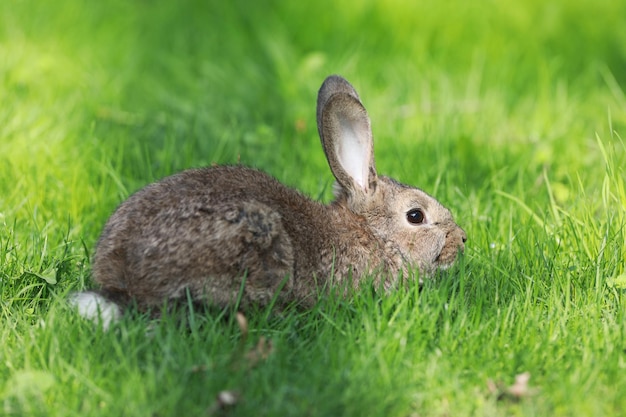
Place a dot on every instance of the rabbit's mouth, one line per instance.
(448, 256)
(452, 249)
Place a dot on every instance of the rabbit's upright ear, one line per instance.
(344, 129)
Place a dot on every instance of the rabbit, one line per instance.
(231, 234)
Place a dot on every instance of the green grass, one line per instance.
(513, 115)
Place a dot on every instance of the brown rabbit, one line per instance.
(220, 233)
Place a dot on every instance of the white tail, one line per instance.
(96, 308)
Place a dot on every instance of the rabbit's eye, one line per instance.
(415, 216)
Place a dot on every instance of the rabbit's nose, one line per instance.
(462, 238)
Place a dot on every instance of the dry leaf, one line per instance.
(260, 352)
(243, 324)
(224, 400)
(227, 398)
(198, 368)
(515, 392)
(520, 388)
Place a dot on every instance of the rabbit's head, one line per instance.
(408, 220)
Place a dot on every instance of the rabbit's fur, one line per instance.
(220, 233)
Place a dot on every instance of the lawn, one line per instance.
(512, 114)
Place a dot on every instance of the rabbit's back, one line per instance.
(201, 232)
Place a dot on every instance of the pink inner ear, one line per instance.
(354, 152)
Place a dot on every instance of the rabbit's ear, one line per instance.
(344, 129)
